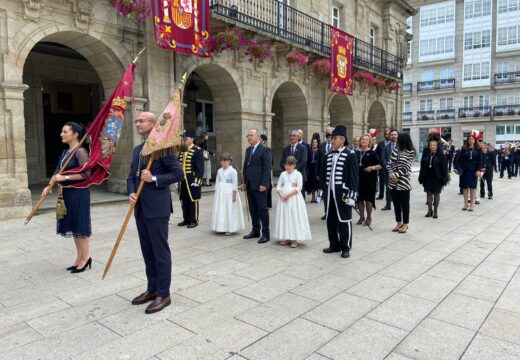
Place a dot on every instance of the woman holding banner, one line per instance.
(73, 208)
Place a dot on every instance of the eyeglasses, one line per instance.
(141, 121)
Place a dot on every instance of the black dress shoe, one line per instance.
(71, 267)
(158, 304)
(192, 225)
(330, 250)
(324, 217)
(345, 254)
(386, 208)
(263, 239)
(79, 270)
(183, 223)
(429, 213)
(144, 298)
(251, 235)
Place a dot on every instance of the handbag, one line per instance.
(61, 209)
(205, 154)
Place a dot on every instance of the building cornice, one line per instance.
(403, 4)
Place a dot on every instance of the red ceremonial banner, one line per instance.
(182, 25)
(342, 45)
(104, 133)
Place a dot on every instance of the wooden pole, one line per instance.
(127, 219)
(245, 195)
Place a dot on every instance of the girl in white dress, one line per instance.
(227, 207)
(292, 223)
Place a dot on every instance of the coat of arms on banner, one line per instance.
(342, 45)
(111, 132)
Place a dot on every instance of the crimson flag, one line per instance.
(342, 45)
(182, 25)
(104, 133)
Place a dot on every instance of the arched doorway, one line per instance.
(377, 117)
(214, 106)
(340, 113)
(289, 108)
(68, 75)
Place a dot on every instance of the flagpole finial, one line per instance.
(184, 77)
(138, 54)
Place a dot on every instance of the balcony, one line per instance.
(507, 78)
(506, 110)
(426, 115)
(407, 88)
(285, 23)
(446, 114)
(407, 116)
(432, 85)
(474, 112)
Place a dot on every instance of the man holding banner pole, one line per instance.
(152, 214)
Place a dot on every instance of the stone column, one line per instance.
(15, 196)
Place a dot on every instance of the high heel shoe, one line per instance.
(403, 229)
(88, 263)
(71, 267)
(397, 227)
(429, 213)
(465, 207)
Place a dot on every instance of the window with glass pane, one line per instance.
(441, 15)
(511, 36)
(468, 41)
(483, 100)
(446, 73)
(468, 102)
(513, 5)
(432, 47)
(423, 51)
(440, 45)
(426, 105)
(409, 51)
(486, 39)
(450, 11)
(502, 36)
(477, 10)
(517, 65)
(500, 130)
(477, 39)
(448, 47)
(502, 67)
(501, 99)
(424, 17)
(502, 6)
(510, 129)
(516, 98)
(517, 131)
(406, 106)
(468, 10)
(484, 71)
(426, 75)
(467, 71)
(476, 71)
(335, 16)
(433, 17)
(486, 7)
(446, 103)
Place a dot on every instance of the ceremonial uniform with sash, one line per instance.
(192, 164)
(341, 175)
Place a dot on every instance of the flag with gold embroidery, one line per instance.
(342, 45)
(104, 133)
(182, 25)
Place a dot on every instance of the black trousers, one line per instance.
(259, 212)
(488, 179)
(506, 165)
(190, 209)
(383, 180)
(516, 165)
(340, 233)
(153, 237)
(450, 163)
(401, 200)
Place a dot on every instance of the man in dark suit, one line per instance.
(192, 163)
(323, 150)
(299, 151)
(152, 214)
(449, 152)
(487, 176)
(309, 158)
(383, 174)
(257, 171)
(388, 149)
(263, 138)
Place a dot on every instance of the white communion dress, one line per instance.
(291, 221)
(227, 215)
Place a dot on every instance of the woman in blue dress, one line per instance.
(76, 223)
(469, 163)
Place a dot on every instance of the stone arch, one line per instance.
(217, 96)
(290, 111)
(376, 117)
(340, 113)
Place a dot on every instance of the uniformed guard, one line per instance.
(341, 175)
(190, 190)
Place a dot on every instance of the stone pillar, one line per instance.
(15, 196)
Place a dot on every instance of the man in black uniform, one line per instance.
(263, 138)
(192, 164)
(383, 174)
(341, 174)
(489, 159)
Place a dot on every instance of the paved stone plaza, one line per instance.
(448, 289)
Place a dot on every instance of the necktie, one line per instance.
(292, 150)
(328, 147)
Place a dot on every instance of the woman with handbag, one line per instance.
(399, 168)
(206, 155)
(73, 210)
(433, 174)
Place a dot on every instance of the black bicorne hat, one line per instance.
(189, 133)
(340, 130)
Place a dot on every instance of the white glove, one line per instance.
(351, 202)
(195, 185)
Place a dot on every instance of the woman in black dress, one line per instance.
(312, 183)
(368, 165)
(76, 223)
(469, 163)
(433, 174)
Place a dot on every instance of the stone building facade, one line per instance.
(59, 59)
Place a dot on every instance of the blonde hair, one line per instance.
(369, 139)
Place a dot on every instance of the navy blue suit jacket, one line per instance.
(155, 200)
(257, 169)
(300, 153)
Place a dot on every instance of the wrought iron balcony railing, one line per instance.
(443, 84)
(507, 78)
(506, 110)
(407, 116)
(426, 115)
(445, 114)
(474, 112)
(281, 21)
(407, 88)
